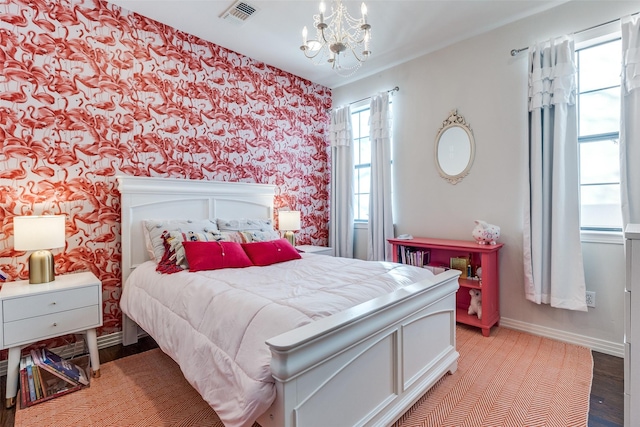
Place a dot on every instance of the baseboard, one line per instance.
(602, 346)
(70, 350)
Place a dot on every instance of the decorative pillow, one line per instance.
(174, 259)
(271, 252)
(215, 255)
(154, 229)
(234, 236)
(253, 230)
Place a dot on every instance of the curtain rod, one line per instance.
(514, 52)
(395, 89)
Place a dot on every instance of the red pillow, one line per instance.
(215, 255)
(270, 252)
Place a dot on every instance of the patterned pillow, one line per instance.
(233, 236)
(253, 230)
(154, 229)
(174, 259)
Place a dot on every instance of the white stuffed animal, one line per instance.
(485, 233)
(476, 302)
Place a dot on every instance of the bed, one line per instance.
(397, 344)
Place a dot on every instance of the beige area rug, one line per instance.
(508, 379)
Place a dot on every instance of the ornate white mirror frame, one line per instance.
(455, 148)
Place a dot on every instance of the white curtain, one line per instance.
(380, 217)
(553, 267)
(341, 209)
(630, 121)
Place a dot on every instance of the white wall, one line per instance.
(488, 86)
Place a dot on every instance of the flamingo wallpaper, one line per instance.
(89, 91)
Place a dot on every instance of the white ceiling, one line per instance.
(401, 29)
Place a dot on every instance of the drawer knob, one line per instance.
(55, 324)
(53, 303)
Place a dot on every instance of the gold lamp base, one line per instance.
(41, 267)
(290, 237)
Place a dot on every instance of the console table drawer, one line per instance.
(51, 325)
(50, 302)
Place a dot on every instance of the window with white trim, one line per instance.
(599, 66)
(362, 160)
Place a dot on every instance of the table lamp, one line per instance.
(289, 221)
(39, 233)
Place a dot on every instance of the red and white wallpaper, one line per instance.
(89, 91)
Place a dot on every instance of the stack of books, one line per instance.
(414, 256)
(44, 375)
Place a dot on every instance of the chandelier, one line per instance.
(341, 40)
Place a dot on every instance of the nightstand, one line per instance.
(72, 303)
(319, 250)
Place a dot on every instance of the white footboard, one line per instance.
(366, 366)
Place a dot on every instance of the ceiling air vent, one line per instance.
(239, 12)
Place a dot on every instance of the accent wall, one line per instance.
(89, 91)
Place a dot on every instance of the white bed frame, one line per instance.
(362, 367)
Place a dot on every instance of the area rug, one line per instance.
(508, 379)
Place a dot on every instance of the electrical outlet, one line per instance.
(591, 299)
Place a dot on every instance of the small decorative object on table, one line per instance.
(485, 233)
(476, 302)
(459, 263)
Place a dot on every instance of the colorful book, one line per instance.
(65, 367)
(32, 389)
(41, 382)
(24, 387)
(36, 382)
(38, 359)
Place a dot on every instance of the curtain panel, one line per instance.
(630, 121)
(341, 199)
(380, 214)
(553, 266)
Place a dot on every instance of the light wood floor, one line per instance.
(606, 406)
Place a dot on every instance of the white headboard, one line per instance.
(167, 198)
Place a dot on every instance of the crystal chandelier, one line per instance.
(341, 40)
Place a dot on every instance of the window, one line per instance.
(362, 162)
(598, 135)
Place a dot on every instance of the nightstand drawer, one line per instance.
(50, 302)
(51, 325)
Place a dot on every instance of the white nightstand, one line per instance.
(72, 303)
(319, 250)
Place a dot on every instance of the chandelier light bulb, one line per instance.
(304, 36)
(363, 9)
(322, 9)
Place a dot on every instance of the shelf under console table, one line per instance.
(440, 252)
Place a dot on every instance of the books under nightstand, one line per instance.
(44, 376)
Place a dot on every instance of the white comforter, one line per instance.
(214, 324)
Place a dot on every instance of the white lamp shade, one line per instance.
(35, 232)
(289, 220)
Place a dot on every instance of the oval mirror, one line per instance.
(455, 148)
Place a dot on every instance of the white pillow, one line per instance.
(154, 228)
(260, 230)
